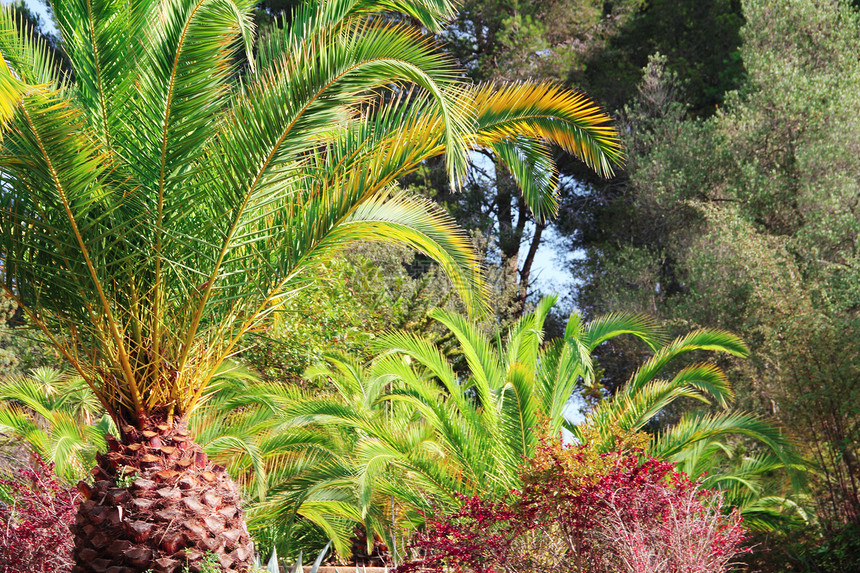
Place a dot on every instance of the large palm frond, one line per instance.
(764, 483)
(644, 396)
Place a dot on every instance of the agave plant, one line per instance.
(161, 201)
(273, 567)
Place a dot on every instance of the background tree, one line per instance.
(366, 291)
(748, 221)
(599, 47)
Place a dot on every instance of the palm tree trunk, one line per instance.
(159, 504)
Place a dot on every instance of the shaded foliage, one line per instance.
(701, 40)
(356, 299)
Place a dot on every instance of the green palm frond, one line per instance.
(520, 410)
(632, 410)
(526, 335)
(643, 397)
(707, 427)
(16, 422)
(638, 402)
(101, 48)
(709, 340)
(396, 345)
(774, 513)
(27, 59)
(484, 362)
(549, 112)
(761, 485)
(430, 13)
(611, 325)
(69, 447)
(533, 169)
(566, 362)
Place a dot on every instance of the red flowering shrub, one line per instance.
(581, 510)
(35, 516)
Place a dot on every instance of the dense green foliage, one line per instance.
(356, 299)
(749, 221)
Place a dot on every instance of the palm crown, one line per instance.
(163, 198)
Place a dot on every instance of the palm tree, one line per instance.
(162, 201)
(757, 481)
(311, 457)
(485, 418)
(424, 433)
(408, 433)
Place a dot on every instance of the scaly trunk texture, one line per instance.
(176, 508)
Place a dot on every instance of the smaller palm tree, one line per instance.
(415, 429)
(485, 417)
(296, 453)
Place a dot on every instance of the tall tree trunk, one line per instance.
(526, 270)
(159, 504)
(510, 236)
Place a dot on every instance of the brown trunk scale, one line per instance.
(177, 508)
